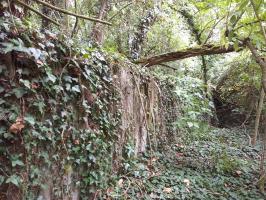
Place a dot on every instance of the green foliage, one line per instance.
(58, 121)
(194, 107)
(200, 170)
(56, 99)
(226, 164)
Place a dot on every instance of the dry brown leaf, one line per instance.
(76, 141)
(167, 190)
(179, 145)
(187, 182)
(34, 85)
(39, 62)
(17, 126)
(238, 172)
(179, 155)
(153, 196)
(120, 182)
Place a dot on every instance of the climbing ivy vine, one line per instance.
(56, 124)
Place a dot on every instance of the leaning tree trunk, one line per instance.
(186, 53)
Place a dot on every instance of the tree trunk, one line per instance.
(97, 33)
(261, 63)
(196, 33)
(140, 34)
(48, 12)
(258, 114)
(5, 7)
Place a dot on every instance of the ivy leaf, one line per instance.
(243, 5)
(75, 88)
(190, 124)
(19, 92)
(92, 158)
(36, 53)
(68, 79)
(25, 83)
(233, 19)
(68, 86)
(87, 72)
(2, 89)
(37, 135)
(30, 119)
(14, 179)
(17, 163)
(40, 105)
(2, 179)
(51, 77)
(7, 47)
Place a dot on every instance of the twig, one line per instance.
(168, 66)
(37, 12)
(119, 11)
(259, 19)
(211, 31)
(72, 14)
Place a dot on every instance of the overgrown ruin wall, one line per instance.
(144, 118)
(61, 116)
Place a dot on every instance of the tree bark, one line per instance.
(97, 33)
(71, 13)
(140, 34)
(258, 114)
(261, 63)
(9, 6)
(186, 53)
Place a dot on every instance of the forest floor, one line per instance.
(223, 167)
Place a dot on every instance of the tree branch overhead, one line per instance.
(186, 53)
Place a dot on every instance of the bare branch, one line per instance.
(37, 12)
(117, 13)
(168, 66)
(72, 14)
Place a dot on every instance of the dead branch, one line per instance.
(186, 53)
(118, 12)
(37, 12)
(72, 14)
(168, 66)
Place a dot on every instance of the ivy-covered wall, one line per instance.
(57, 132)
(69, 118)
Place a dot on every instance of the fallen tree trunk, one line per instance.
(187, 53)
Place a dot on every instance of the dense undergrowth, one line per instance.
(60, 115)
(60, 111)
(222, 167)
